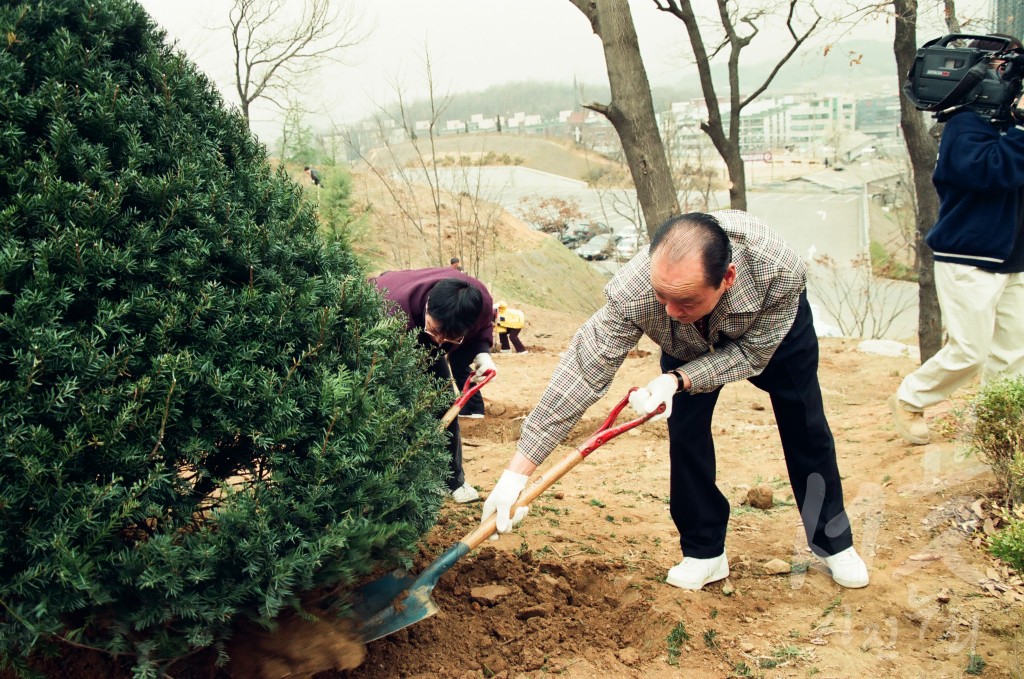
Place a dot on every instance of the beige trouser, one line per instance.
(983, 313)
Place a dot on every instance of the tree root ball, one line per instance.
(297, 649)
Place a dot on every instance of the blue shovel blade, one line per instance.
(375, 596)
(397, 604)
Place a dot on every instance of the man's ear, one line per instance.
(729, 279)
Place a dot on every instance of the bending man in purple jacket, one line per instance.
(452, 311)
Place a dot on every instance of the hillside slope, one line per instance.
(520, 265)
(547, 154)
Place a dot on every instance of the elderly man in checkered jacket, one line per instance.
(724, 297)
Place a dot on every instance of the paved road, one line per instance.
(814, 224)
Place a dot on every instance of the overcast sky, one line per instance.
(472, 44)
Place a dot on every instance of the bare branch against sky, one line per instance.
(278, 45)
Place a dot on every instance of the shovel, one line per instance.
(467, 393)
(398, 600)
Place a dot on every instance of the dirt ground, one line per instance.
(578, 590)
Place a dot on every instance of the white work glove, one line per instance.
(482, 362)
(660, 390)
(501, 499)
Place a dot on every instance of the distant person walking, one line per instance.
(455, 263)
(509, 323)
(313, 175)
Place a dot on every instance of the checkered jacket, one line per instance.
(744, 330)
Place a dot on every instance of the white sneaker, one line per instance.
(524, 351)
(693, 573)
(472, 416)
(848, 569)
(465, 493)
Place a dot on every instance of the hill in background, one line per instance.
(546, 154)
(867, 66)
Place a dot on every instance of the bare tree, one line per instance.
(552, 214)
(631, 110)
(436, 198)
(861, 304)
(693, 176)
(277, 43)
(727, 138)
(923, 150)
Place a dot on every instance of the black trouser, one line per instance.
(511, 335)
(700, 511)
(456, 365)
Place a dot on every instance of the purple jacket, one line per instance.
(409, 289)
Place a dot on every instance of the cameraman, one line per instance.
(978, 242)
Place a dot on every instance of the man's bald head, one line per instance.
(698, 237)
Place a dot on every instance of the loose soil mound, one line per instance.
(515, 612)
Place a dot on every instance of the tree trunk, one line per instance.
(923, 150)
(729, 150)
(631, 110)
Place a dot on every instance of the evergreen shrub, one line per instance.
(204, 412)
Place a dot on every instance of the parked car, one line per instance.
(578, 232)
(575, 233)
(598, 247)
(627, 247)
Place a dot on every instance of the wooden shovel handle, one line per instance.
(603, 434)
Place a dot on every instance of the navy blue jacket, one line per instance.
(978, 175)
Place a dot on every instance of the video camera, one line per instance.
(980, 73)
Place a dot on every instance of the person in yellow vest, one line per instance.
(509, 323)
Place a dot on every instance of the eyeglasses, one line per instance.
(431, 331)
(441, 339)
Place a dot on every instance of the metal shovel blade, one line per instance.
(375, 596)
(395, 601)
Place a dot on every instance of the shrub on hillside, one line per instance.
(1008, 544)
(204, 412)
(993, 428)
(335, 207)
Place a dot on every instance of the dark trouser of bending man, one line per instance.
(700, 511)
(441, 369)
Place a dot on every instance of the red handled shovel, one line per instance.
(467, 393)
(398, 600)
